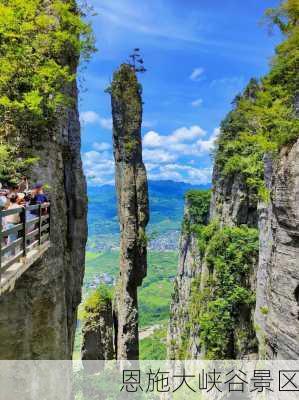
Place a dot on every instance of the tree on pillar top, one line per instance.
(136, 61)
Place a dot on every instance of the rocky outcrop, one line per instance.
(97, 334)
(274, 277)
(189, 267)
(132, 196)
(277, 293)
(233, 202)
(232, 205)
(38, 318)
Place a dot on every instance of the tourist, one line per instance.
(4, 202)
(3, 205)
(38, 197)
(12, 220)
(21, 199)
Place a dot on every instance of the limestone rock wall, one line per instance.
(97, 335)
(232, 204)
(277, 308)
(275, 277)
(190, 265)
(38, 318)
(132, 195)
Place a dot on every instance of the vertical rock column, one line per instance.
(38, 317)
(132, 194)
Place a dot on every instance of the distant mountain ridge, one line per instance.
(166, 211)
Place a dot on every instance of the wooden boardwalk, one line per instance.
(24, 243)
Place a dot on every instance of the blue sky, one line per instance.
(199, 55)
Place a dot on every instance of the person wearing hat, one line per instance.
(38, 196)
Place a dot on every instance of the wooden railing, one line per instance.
(31, 232)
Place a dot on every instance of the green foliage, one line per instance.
(126, 92)
(96, 301)
(12, 167)
(153, 297)
(230, 255)
(198, 203)
(142, 237)
(154, 346)
(155, 293)
(40, 44)
(205, 233)
(264, 310)
(263, 118)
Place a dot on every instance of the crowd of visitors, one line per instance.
(19, 196)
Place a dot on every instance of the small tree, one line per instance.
(136, 61)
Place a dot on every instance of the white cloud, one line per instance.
(179, 136)
(205, 146)
(157, 155)
(98, 167)
(196, 74)
(152, 139)
(164, 156)
(181, 173)
(106, 123)
(186, 134)
(91, 117)
(101, 146)
(183, 141)
(196, 103)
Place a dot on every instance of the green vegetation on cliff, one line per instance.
(40, 44)
(262, 121)
(154, 295)
(230, 256)
(12, 168)
(97, 300)
(264, 116)
(198, 203)
(221, 293)
(154, 346)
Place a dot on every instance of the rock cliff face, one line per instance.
(267, 327)
(38, 318)
(278, 276)
(190, 265)
(231, 205)
(132, 195)
(98, 334)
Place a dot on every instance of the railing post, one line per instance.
(24, 232)
(40, 225)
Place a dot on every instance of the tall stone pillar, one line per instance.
(132, 194)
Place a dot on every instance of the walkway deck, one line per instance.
(24, 243)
